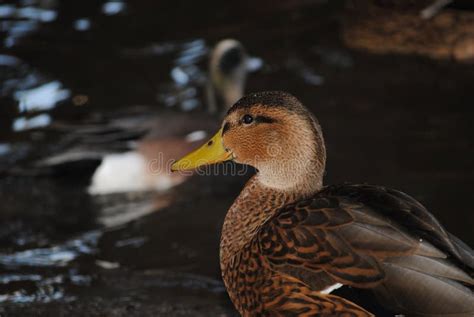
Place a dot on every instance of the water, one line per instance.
(400, 121)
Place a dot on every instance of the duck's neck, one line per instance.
(252, 208)
(288, 174)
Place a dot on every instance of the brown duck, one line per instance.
(287, 240)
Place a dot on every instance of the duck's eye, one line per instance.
(247, 119)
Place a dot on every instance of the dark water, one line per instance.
(399, 121)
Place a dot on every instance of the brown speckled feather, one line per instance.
(358, 235)
(256, 289)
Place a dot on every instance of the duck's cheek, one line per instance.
(248, 156)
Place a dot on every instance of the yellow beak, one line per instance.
(211, 152)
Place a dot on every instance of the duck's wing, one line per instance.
(407, 212)
(375, 238)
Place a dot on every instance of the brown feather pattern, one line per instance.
(349, 234)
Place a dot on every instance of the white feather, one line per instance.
(331, 288)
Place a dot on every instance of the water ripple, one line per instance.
(56, 256)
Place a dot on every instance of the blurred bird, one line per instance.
(152, 139)
(228, 68)
(288, 241)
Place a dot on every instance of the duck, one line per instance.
(152, 138)
(288, 240)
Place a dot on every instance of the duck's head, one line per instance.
(228, 68)
(273, 132)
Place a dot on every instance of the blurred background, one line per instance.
(92, 91)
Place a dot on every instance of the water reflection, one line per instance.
(83, 24)
(254, 64)
(50, 285)
(32, 91)
(4, 148)
(113, 7)
(37, 99)
(59, 255)
(35, 13)
(25, 18)
(16, 75)
(186, 76)
(188, 71)
(46, 291)
(191, 52)
(41, 98)
(40, 289)
(7, 60)
(39, 121)
(7, 10)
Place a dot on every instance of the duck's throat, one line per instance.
(301, 175)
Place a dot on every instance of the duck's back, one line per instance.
(434, 278)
